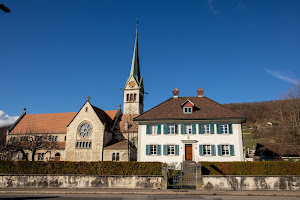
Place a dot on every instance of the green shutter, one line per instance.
(176, 129)
(165, 150)
(158, 149)
(230, 128)
(148, 129)
(200, 129)
(182, 129)
(232, 150)
(147, 150)
(213, 150)
(158, 129)
(218, 129)
(201, 150)
(219, 150)
(176, 150)
(194, 128)
(165, 129)
(212, 128)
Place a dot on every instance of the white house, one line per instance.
(190, 128)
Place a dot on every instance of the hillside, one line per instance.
(274, 122)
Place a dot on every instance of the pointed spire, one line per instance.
(135, 65)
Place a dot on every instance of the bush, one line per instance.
(251, 168)
(83, 168)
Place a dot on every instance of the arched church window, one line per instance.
(134, 97)
(131, 97)
(113, 157)
(127, 97)
(117, 157)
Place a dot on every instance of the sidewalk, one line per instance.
(146, 192)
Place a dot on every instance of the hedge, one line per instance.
(83, 168)
(251, 168)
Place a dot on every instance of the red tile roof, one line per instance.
(51, 123)
(204, 108)
(43, 123)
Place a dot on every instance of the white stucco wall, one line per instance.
(194, 139)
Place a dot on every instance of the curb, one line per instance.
(167, 192)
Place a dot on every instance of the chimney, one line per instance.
(175, 93)
(200, 92)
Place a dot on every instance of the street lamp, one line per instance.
(4, 8)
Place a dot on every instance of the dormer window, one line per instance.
(187, 107)
(187, 110)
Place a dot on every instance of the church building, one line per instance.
(91, 134)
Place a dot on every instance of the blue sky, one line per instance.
(56, 53)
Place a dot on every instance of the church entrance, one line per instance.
(188, 152)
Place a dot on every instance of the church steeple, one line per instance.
(134, 88)
(135, 64)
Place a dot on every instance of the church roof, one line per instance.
(52, 123)
(105, 118)
(118, 145)
(204, 108)
(43, 123)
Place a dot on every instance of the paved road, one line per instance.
(135, 197)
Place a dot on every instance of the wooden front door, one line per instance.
(57, 157)
(188, 152)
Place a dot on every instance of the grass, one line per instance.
(248, 142)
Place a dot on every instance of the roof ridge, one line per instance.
(50, 113)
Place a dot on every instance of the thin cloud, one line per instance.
(212, 7)
(6, 120)
(285, 76)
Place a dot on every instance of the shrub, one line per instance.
(251, 168)
(83, 168)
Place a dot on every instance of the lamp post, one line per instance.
(4, 8)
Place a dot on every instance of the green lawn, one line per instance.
(248, 142)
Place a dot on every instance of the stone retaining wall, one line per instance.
(250, 183)
(81, 181)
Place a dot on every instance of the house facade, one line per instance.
(190, 128)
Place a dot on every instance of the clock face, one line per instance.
(131, 84)
(85, 130)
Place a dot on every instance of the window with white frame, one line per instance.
(153, 150)
(188, 129)
(153, 129)
(206, 129)
(207, 150)
(224, 128)
(171, 129)
(171, 149)
(225, 150)
(187, 109)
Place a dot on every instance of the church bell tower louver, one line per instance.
(134, 88)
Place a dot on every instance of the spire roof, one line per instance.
(135, 65)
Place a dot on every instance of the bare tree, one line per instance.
(31, 142)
